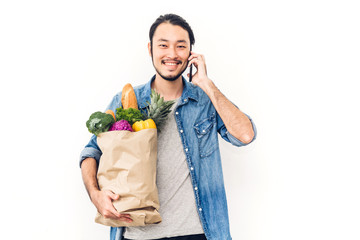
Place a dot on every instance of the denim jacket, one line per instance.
(198, 124)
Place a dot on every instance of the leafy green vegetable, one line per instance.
(130, 114)
(99, 122)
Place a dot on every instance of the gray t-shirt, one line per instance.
(177, 201)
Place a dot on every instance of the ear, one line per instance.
(149, 48)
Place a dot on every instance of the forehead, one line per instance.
(171, 33)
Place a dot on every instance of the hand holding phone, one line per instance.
(196, 60)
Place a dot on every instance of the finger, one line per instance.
(111, 213)
(115, 196)
(194, 61)
(112, 195)
(111, 210)
(194, 53)
(114, 212)
(193, 56)
(202, 57)
(197, 56)
(200, 66)
(126, 219)
(125, 215)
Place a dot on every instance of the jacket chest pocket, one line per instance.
(205, 130)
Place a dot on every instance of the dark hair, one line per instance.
(174, 20)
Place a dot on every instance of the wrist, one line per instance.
(207, 86)
(93, 194)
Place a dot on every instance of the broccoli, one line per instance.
(99, 122)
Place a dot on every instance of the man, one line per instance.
(189, 174)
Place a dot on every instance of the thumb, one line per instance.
(113, 196)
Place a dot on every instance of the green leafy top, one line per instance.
(131, 115)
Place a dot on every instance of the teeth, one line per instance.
(171, 64)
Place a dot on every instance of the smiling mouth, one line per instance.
(172, 63)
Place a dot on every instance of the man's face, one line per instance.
(170, 51)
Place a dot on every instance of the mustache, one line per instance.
(171, 60)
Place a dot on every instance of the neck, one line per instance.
(170, 90)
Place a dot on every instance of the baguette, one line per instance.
(128, 97)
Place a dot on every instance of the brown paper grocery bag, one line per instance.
(128, 167)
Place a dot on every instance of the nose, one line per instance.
(171, 52)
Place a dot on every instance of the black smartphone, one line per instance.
(190, 73)
(190, 77)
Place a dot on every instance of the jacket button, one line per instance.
(186, 149)
(192, 169)
(196, 188)
(200, 209)
(181, 131)
(177, 113)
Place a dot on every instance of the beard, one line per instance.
(170, 78)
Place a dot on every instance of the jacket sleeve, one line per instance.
(92, 149)
(230, 138)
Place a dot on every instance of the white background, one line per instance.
(293, 66)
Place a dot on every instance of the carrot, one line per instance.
(109, 111)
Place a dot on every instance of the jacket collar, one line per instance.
(189, 92)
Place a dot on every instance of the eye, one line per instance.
(181, 46)
(162, 45)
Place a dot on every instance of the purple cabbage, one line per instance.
(121, 125)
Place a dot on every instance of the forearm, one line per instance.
(88, 171)
(101, 199)
(236, 122)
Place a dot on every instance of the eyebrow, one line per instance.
(165, 40)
